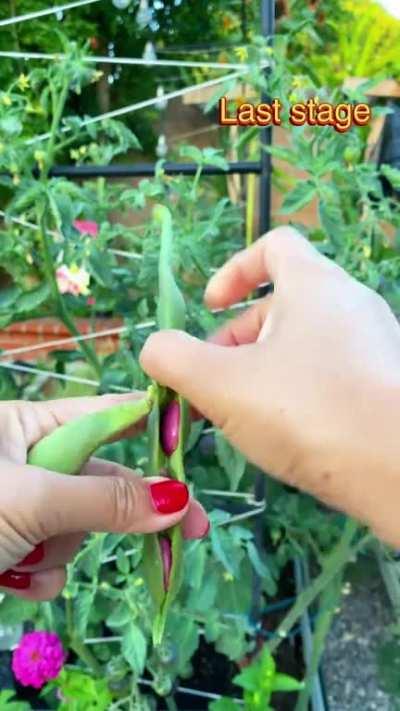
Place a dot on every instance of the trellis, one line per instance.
(261, 168)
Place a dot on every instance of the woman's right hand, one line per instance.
(305, 383)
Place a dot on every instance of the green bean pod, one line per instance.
(68, 447)
(164, 584)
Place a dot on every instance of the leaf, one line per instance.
(298, 198)
(8, 702)
(82, 606)
(120, 616)
(221, 551)
(224, 704)
(134, 647)
(284, 682)
(256, 561)
(30, 300)
(16, 610)
(122, 562)
(232, 461)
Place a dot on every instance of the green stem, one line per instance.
(333, 564)
(328, 602)
(170, 703)
(77, 645)
(61, 308)
(58, 110)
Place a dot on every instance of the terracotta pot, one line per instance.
(46, 330)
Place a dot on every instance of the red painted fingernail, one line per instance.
(18, 581)
(169, 496)
(34, 556)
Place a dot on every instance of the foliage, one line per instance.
(105, 598)
(259, 681)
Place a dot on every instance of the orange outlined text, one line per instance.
(340, 116)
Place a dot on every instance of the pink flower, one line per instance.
(38, 658)
(72, 280)
(86, 227)
(90, 301)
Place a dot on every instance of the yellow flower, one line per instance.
(29, 259)
(367, 251)
(16, 179)
(228, 577)
(74, 153)
(39, 157)
(6, 100)
(241, 53)
(96, 76)
(23, 82)
(82, 150)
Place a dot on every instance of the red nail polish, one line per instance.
(169, 496)
(18, 581)
(34, 556)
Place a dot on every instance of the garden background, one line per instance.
(81, 169)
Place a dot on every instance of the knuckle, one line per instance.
(124, 497)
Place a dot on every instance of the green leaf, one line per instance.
(83, 603)
(122, 562)
(134, 647)
(284, 682)
(30, 300)
(8, 703)
(256, 561)
(232, 461)
(221, 550)
(16, 610)
(120, 616)
(224, 704)
(298, 198)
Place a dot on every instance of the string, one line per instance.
(143, 104)
(94, 59)
(47, 11)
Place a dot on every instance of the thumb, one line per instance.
(206, 374)
(105, 497)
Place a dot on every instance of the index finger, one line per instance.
(260, 263)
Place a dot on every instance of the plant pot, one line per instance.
(47, 331)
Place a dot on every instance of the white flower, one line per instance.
(72, 280)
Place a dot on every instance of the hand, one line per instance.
(44, 515)
(305, 383)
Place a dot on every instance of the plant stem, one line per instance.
(170, 703)
(334, 563)
(61, 308)
(77, 645)
(328, 601)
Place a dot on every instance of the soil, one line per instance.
(349, 666)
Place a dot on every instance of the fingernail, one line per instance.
(169, 496)
(18, 581)
(34, 556)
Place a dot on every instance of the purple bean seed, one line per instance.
(170, 421)
(166, 556)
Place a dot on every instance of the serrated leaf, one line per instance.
(232, 461)
(298, 198)
(83, 603)
(134, 647)
(120, 616)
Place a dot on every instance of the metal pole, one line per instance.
(142, 170)
(260, 486)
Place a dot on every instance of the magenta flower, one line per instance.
(86, 227)
(38, 658)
